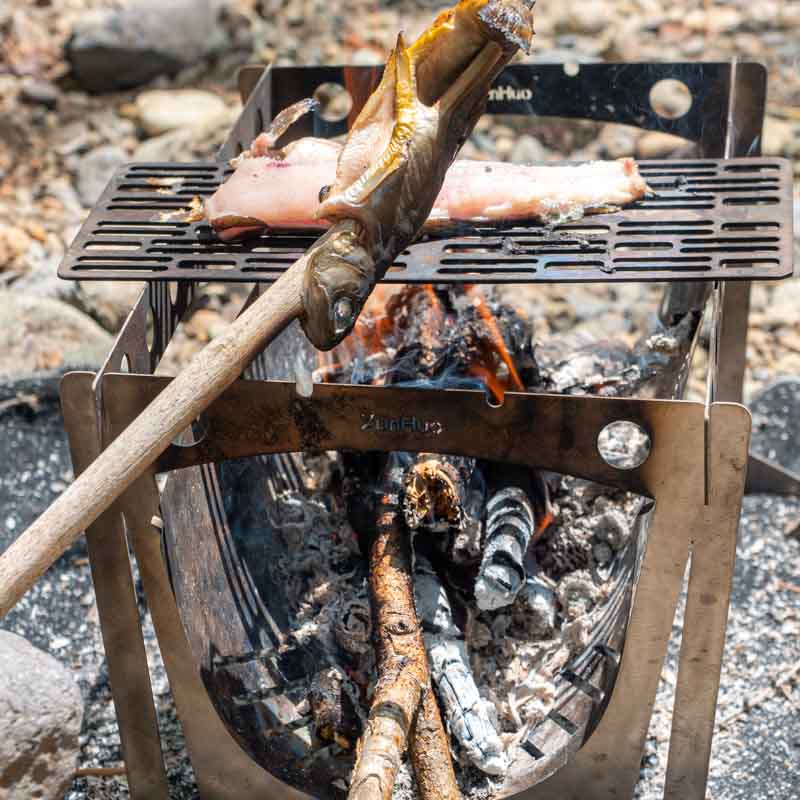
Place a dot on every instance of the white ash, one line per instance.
(509, 527)
(496, 676)
(577, 594)
(540, 606)
(468, 715)
(352, 625)
(323, 597)
(587, 515)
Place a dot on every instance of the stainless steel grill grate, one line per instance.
(709, 220)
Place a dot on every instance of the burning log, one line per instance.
(435, 488)
(403, 680)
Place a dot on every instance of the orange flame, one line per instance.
(482, 307)
(386, 312)
(543, 524)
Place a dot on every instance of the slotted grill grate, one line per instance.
(709, 220)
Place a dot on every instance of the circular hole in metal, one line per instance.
(572, 68)
(125, 364)
(670, 98)
(335, 102)
(624, 445)
(493, 400)
(192, 435)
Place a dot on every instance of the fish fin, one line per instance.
(405, 106)
(284, 121)
(393, 157)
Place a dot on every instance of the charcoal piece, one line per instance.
(295, 660)
(434, 491)
(539, 602)
(510, 525)
(334, 708)
(564, 549)
(352, 625)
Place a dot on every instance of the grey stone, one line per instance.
(115, 49)
(618, 140)
(39, 92)
(109, 302)
(41, 711)
(43, 281)
(528, 150)
(170, 146)
(657, 144)
(40, 334)
(95, 169)
(166, 110)
(106, 302)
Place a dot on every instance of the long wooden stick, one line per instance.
(403, 707)
(401, 661)
(209, 373)
(430, 753)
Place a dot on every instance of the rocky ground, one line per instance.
(70, 113)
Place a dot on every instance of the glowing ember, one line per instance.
(410, 335)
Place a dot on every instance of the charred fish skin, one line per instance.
(390, 202)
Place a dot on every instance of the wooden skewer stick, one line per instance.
(327, 286)
(209, 373)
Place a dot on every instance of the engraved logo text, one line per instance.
(402, 424)
(509, 93)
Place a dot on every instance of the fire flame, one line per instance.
(386, 315)
(479, 370)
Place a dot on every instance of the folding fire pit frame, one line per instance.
(695, 473)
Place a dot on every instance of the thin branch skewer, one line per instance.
(430, 753)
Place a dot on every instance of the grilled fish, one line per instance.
(283, 188)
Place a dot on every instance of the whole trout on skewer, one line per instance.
(276, 187)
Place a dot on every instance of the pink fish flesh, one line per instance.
(282, 189)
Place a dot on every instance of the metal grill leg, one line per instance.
(116, 603)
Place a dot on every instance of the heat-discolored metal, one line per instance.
(607, 765)
(548, 432)
(710, 220)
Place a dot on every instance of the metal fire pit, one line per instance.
(721, 218)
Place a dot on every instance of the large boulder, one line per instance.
(113, 49)
(41, 711)
(43, 334)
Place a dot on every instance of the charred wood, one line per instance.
(403, 678)
(468, 719)
(334, 706)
